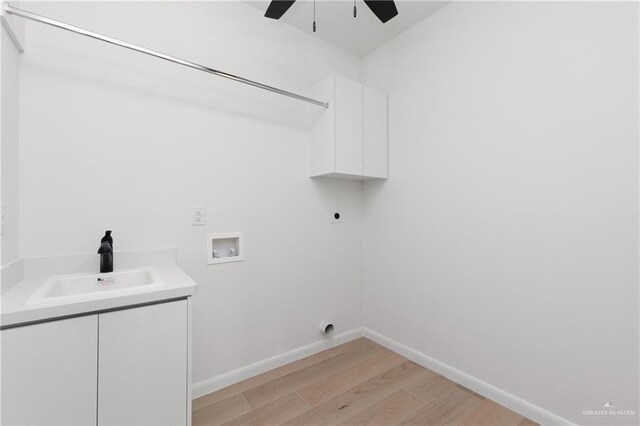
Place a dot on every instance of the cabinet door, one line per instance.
(375, 133)
(49, 373)
(143, 365)
(322, 151)
(348, 127)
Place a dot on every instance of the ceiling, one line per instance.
(336, 25)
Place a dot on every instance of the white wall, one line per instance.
(9, 137)
(505, 243)
(115, 140)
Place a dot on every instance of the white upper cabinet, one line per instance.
(375, 133)
(349, 139)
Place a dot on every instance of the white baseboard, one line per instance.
(491, 392)
(226, 379)
(512, 402)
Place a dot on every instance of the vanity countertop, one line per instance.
(175, 283)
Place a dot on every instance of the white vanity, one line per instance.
(79, 350)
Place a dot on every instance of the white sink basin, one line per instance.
(85, 287)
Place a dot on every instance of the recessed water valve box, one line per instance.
(224, 248)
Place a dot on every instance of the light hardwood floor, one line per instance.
(359, 382)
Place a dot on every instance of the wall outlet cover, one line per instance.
(198, 216)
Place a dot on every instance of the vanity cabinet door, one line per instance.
(143, 365)
(49, 373)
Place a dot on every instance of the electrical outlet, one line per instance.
(198, 216)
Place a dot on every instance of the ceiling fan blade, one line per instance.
(277, 8)
(383, 9)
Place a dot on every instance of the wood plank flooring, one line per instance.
(357, 383)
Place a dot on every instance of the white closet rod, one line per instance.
(48, 21)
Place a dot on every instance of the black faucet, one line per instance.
(106, 253)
